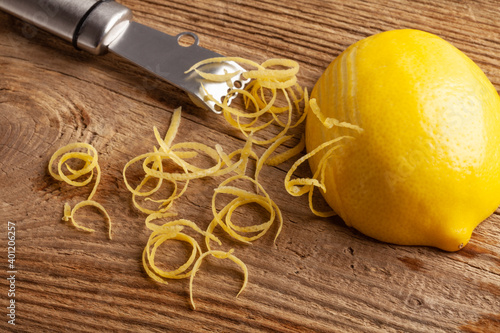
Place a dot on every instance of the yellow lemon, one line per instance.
(425, 169)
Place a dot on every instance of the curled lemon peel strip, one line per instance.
(156, 215)
(286, 155)
(260, 108)
(156, 172)
(164, 147)
(279, 158)
(286, 126)
(247, 131)
(69, 215)
(245, 153)
(158, 156)
(300, 186)
(76, 173)
(196, 146)
(258, 92)
(265, 156)
(219, 255)
(181, 222)
(276, 74)
(263, 227)
(291, 184)
(190, 171)
(175, 122)
(304, 97)
(238, 166)
(90, 159)
(320, 174)
(171, 231)
(223, 217)
(152, 165)
(271, 84)
(157, 238)
(330, 122)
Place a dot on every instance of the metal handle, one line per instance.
(89, 24)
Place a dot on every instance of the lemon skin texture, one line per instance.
(425, 170)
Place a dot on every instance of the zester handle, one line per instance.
(89, 24)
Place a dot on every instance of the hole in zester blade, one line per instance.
(187, 39)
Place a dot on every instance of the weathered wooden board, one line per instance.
(320, 276)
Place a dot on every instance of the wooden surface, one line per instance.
(320, 277)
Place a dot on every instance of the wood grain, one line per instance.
(320, 276)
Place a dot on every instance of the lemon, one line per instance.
(425, 170)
